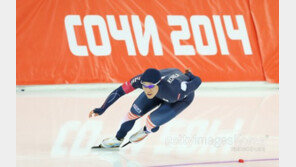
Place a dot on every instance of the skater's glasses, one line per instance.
(151, 85)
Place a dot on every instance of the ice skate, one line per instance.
(109, 143)
(137, 137)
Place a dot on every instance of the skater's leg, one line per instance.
(165, 113)
(126, 125)
(140, 107)
(160, 116)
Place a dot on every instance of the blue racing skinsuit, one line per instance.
(176, 92)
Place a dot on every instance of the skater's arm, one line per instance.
(193, 83)
(125, 88)
(114, 96)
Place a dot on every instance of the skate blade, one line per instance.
(99, 147)
(126, 144)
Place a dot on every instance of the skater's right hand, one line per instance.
(91, 114)
(96, 112)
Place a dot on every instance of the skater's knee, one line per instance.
(130, 116)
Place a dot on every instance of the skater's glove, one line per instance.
(96, 112)
(99, 111)
(188, 73)
(187, 70)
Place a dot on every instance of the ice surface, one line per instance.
(223, 124)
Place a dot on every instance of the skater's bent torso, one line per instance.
(173, 86)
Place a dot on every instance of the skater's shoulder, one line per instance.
(136, 79)
(168, 70)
